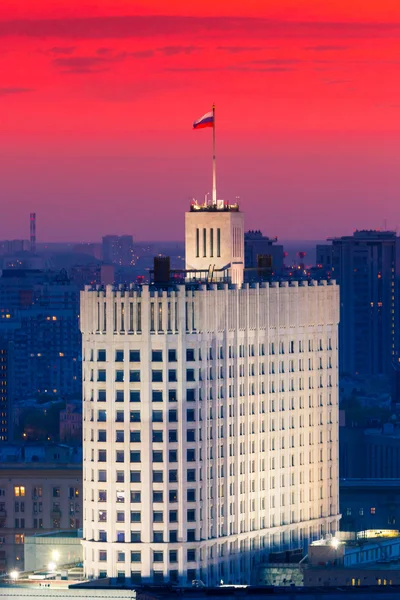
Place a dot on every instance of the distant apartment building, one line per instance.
(118, 249)
(14, 246)
(370, 503)
(71, 423)
(6, 387)
(39, 314)
(364, 265)
(256, 245)
(40, 490)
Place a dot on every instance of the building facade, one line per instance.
(256, 244)
(364, 265)
(210, 423)
(40, 491)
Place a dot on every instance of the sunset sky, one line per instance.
(97, 101)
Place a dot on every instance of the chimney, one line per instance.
(33, 231)
(162, 269)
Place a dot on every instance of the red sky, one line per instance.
(97, 100)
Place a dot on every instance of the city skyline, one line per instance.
(97, 97)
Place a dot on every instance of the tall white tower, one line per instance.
(214, 239)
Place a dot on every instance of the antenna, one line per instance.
(32, 222)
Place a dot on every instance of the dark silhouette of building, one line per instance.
(256, 244)
(364, 265)
(118, 249)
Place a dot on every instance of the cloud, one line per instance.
(9, 91)
(326, 48)
(104, 51)
(61, 50)
(174, 50)
(277, 61)
(240, 49)
(84, 64)
(125, 27)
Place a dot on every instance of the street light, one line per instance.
(14, 575)
(52, 566)
(335, 543)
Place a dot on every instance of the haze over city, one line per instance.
(97, 101)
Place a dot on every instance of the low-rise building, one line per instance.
(40, 491)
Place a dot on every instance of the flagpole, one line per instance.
(214, 189)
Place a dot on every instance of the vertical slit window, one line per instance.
(204, 242)
(105, 317)
(131, 316)
(193, 323)
(115, 316)
(169, 317)
(160, 324)
(98, 316)
(197, 242)
(187, 316)
(152, 316)
(139, 317)
(211, 242)
(218, 242)
(122, 316)
(176, 316)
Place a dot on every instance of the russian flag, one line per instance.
(206, 120)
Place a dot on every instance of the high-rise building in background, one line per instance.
(14, 246)
(40, 314)
(210, 415)
(6, 387)
(118, 249)
(258, 245)
(364, 265)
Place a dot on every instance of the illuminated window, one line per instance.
(19, 491)
(373, 510)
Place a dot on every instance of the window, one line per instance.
(135, 536)
(172, 397)
(102, 476)
(135, 416)
(157, 416)
(120, 478)
(101, 356)
(191, 515)
(157, 396)
(121, 539)
(19, 491)
(136, 557)
(158, 537)
(134, 356)
(191, 475)
(135, 436)
(120, 517)
(157, 456)
(135, 477)
(156, 376)
(172, 375)
(156, 356)
(158, 556)
(373, 511)
(134, 396)
(102, 555)
(134, 376)
(135, 456)
(158, 497)
(101, 416)
(56, 492)
(119, 416)
(173, 476)
(190, 375)
(172, 416)
(102, 536)
(119, 436)
(136, 517)
(119, 356)
(102, 516)
(158, 516)
(191, 555)
(173, 495)
(173, 435)
(119, 396)
(119, 376)
(173, 516)
(173, 536)
(119, 456)
(157, 436)
(136, 497)
(172, 356)
(190, 357)
(191, 535)
(101, 396)
(190, 455)
(173, 556)
(190, 395)
(102, 497)
(158, 476)
(191, 495)
(173, 456)
(190, 435)
(190, 415)
(102, 457)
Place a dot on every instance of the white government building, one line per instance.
(210, 416)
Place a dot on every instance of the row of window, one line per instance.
(157, 456)
(157, 416)
(134, 376)
(157, 355)
(157, 435)
(136, 516)
(136, 496)
(158, 476)
(158, 556)
(135, 395)
(37, 492)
